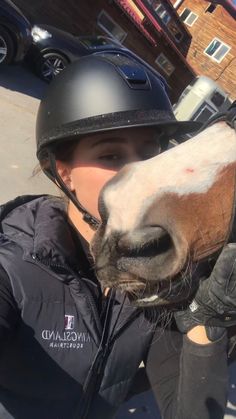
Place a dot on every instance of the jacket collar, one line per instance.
(39, 225)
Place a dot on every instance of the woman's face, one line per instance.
(97, 158)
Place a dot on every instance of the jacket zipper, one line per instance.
(96, 370)
(91, 384)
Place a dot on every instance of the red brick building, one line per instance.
(212, 51)
(156, 35)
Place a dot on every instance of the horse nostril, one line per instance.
(148, 242)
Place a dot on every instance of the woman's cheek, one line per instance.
(88, 182)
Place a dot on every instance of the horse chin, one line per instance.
(165, 293)
(140, 277)
(152, 301)
(144, 293)
(171, 291)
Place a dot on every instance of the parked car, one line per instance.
(15, 33)
(53, 49)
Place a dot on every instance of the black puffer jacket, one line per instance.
(61, 356)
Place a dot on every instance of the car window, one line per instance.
(96, 42)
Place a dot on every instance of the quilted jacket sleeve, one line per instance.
(9, 315)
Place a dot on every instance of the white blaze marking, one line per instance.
(205, 155)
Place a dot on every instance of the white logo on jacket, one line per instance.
(67, 339)
(69, 322)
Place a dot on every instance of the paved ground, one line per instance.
(20, 92)
(19, 98)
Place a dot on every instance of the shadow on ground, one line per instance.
(20, 79)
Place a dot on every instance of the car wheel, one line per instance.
(50, 65)
(6, 47)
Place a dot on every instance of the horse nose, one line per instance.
(146, 242)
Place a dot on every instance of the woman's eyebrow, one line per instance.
(120, 140)
(109, 141)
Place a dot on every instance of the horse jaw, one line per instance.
(182, 192)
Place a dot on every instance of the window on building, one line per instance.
(162, 13)
(217, 50)
(176, 32)
(112, 28)
(188, 17)
(165, 64)
(154, 3)
(210, 9)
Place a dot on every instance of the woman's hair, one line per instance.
(63, 151)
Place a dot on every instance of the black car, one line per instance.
(53, 49)
(15, 33)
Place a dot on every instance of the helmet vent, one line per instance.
(132, 72)
(136, 77)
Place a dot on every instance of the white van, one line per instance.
(200, 100)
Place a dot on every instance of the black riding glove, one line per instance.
(214, 304)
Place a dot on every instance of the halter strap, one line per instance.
(228, 116)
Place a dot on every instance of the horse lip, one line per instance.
(171, 292)
(143, 268)
(148, 299)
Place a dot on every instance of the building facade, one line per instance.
(212, 51)
(160, 39)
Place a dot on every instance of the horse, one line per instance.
(165, 217)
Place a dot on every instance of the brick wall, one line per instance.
(218, 24)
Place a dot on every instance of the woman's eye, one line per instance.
(110, 157)
(112, 160)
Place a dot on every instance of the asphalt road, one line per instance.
(20, 92)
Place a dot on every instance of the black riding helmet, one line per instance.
(99, 93)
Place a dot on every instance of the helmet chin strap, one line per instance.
(92, 221)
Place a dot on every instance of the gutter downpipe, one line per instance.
(177, 4)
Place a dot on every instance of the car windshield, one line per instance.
(97, 42)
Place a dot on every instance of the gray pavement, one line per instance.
(19, 99)
(20, 92)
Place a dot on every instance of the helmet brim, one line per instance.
(172, 128)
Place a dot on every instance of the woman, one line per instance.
(68, 348)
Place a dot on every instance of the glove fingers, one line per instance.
(224, 272)
(223, 321)
(215, 333)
